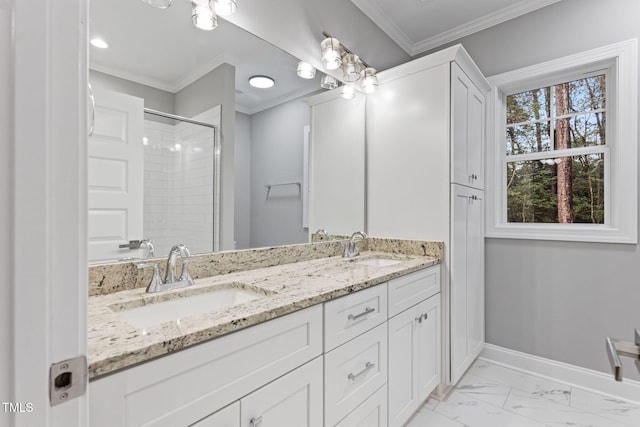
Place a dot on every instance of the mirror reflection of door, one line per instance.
(115, 175)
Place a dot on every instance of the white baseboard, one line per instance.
(572, 375)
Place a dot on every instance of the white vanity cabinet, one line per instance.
(294, 400)
(187, 386)
(355, 360)
(425, 132)
(414, 346)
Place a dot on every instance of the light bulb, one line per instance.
(224, 7)
(306, 70)
(331, 56)
(369, 80)
(348, 92)
(328, 82)
(203, 17)
(351, 67)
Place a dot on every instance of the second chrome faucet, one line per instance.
(351, 249)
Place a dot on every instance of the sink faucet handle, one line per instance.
(185, 268)
(156, 281)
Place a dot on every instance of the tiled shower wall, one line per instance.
(178, 186)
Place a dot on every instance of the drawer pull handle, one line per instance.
(255, 421)
(366, 311)
(368, 366)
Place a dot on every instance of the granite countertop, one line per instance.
(115, 344)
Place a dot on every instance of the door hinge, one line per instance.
(67, 380)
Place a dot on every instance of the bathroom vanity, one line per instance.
(324, 341)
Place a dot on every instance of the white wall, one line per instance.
(559, 300)
(6, 183)
(155, 99)
(276, 157)
(242, 209)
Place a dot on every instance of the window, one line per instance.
(562, 149)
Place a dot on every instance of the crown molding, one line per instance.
(373, 11)
(164, 85)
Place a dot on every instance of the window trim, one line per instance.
(621, 175)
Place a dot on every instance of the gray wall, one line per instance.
(155, 99)
(559, 300)
(241, 221)
(6, 183)
(276, 157)
(217, 88)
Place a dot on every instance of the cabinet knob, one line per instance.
(255, 421)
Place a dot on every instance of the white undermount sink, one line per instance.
(378, 262)
(178, 308)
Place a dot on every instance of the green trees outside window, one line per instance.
(555, 153)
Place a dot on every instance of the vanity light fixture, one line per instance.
(331, 53)
(224, 7)
(204, 13)
(261, 82)
(336, 55)
(306, 70)
(99, 43)
(348, 92)
(160, 4)
(369, 81)
(351, 67)
(328, 82)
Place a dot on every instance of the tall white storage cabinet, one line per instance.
(425, 136)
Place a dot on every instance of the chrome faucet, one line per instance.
(351, 249)
(171, 281)
(148, 245)
(322, 234)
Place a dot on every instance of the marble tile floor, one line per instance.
(490, 395)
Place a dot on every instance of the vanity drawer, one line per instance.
(409, 290)
(372, 413)
(347, 317)
(353, 372)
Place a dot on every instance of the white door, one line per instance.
(116, 171)
(48, 244)
(294, 400)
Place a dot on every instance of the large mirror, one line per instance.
(232, 176)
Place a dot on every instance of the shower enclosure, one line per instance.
(181, 182)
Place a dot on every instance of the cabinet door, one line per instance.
(475, 274)
(294, 400)
(428, 337)
(404, 393)
(467, 129)
(467, 279)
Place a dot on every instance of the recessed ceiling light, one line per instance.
(261, 82)
(99, 43)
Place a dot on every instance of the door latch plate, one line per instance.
(67, 380)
